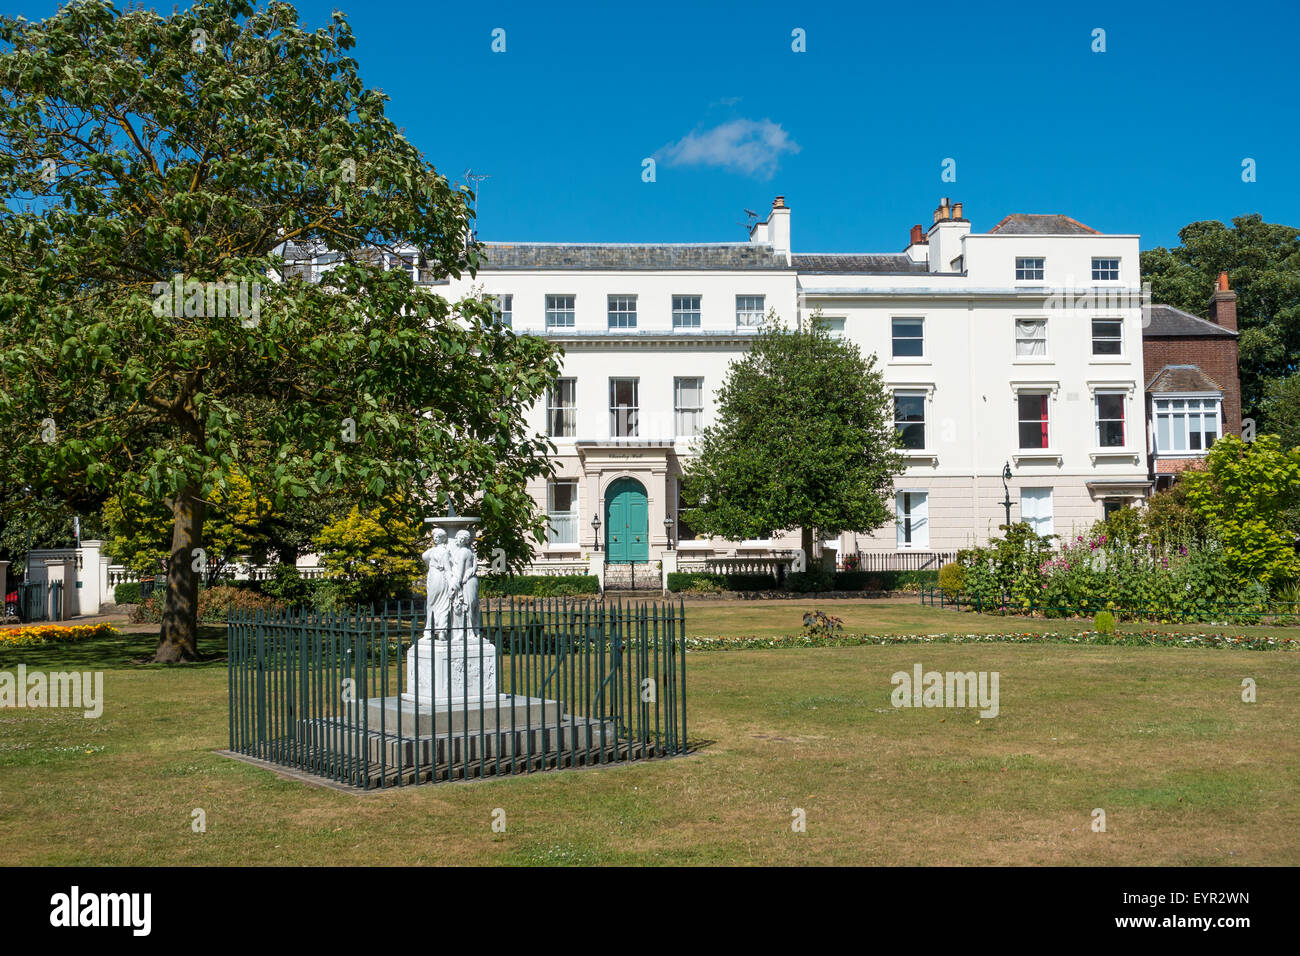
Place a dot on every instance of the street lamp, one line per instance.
(595, 526)
(1006, 492)
(668, 530)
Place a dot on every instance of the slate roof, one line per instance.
(1042, 224)
(858, 264)
(598, 257)
(1165, 320)
(1182, 378)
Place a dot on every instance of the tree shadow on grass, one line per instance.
(126, 650)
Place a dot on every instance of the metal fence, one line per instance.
(38, 601)
(577, 683)
(1275, 613)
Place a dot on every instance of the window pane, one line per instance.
(1107, 336)
(1033, 420)
(908, 337)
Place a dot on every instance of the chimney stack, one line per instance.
(944, 211)
(1223, 304)
(918, 235)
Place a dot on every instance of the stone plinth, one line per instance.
(456, 670)
(497, 712)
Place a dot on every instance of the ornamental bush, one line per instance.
(538, 585)
(1099, 573)
(952, 578)
(127, 592)
(214, 604)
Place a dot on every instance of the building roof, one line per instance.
(1182, 378)
(858, 263)
(1165, 320)
(1041, 224)
(620, 257)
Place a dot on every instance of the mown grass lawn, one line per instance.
(1157, 737)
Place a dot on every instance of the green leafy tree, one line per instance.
(375, 554)
(1263, 264)
(137, 151)
(1279, 408)
(804, 438)
(1246, 495)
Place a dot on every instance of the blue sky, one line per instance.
(1145, 137)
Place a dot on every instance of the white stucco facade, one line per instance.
(1018, 347)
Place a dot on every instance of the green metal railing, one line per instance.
(578, 682)
(41, 601)
(1275, 613)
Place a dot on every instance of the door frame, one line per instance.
(607, 502)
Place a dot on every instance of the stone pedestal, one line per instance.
(466, 668)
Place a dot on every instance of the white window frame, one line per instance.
(1042, 525)
(1093, 340)
(925, 417)
(1025, 272)
(566, 533)
(1039, 321)
(917, 529)
(747, 316)
(1216, 398)
(631, 413)
(1097, 420)
(895, 338)
(681, 312)
(835, 325)
(1096, 269)
(569, 422)
(680, 410)
(505, 308)
(621, 311)
(1042, 392)
(556, 310)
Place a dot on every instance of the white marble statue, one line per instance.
(464, 586)
(438, 586)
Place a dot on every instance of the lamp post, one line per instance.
(668, 531)
(595, 526)
(1006, 492)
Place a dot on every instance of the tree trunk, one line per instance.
(179, 640)
(806, 542)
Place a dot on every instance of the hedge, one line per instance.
(708, 581)
(127, 593)
(539, 585)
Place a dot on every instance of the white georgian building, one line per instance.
(1019, 347)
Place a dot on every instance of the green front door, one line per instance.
(627, 522)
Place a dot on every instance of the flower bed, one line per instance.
(1130, 639)
(31, 634)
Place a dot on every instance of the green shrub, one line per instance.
(807, 582)
(538, 585)
(852, 580)
(708, 582)
(214, 604)
(1104, 622)
(128, 592)
(286, 584)
(952, 579)
(696, 581)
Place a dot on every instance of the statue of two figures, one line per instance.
(452, 587)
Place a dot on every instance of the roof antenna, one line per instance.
(752, 217)
(474, 179)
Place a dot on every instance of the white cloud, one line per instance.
(752, 147)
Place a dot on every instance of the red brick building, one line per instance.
(1193, 389)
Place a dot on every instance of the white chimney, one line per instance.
(946, 238)
(775, 229)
